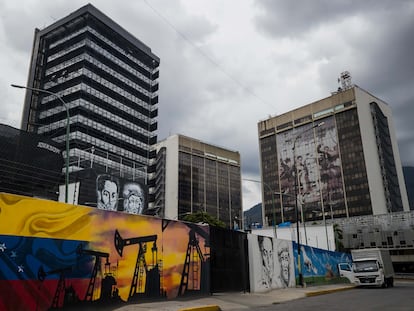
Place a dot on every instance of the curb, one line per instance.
(202, 308)
(328, 291)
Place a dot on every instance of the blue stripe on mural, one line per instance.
(24, 258)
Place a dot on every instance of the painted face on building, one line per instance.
(134, 198)
(284, 260)
(266, 249)
(108, 196)
(134, 204)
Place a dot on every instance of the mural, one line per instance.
(55, 255)
(319, 265)
(271, 263)
(330, 166)
(108, 190)
(111, 193)
(314, 155)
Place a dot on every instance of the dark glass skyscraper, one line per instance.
(108, 79)
(335, 158)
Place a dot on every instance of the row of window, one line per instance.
(50, 72)
(101, 96)
(119, 62)
(98, 126)
(103, 145)
(119, 49)
(106, 83)
(122, 164)
(205, 184)
(116, 88)
(104, 39)
(117, 75)
(64, 64)
(67, 38)
(67, 50)
(91, 107)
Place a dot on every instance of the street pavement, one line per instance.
(236, 300)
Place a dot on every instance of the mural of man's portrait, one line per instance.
(107, 189)
(284, 261)
(286, 271)
(134, 198)
(267, 269)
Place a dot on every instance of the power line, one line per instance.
(210, 59)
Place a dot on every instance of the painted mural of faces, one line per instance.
(266, 250)
(107, 192)
(284, 260)
(134, 198)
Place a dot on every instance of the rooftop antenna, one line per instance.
(345, 80)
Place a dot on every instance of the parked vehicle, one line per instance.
(370, 267)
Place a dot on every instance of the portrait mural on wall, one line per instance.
(107, 192)
(115, 194)
(267, 271)
(274, 267)
(133, 195)
(286, 269)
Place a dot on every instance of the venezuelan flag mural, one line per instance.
(56, 256)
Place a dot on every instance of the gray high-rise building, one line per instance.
(109, 82)
(337, 157)
(194, 176)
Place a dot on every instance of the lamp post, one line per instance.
(297, 231)
(67, 130)
(273, 200)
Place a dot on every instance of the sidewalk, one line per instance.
(236, 301)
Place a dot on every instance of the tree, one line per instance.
(202, 217)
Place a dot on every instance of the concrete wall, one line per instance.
(319, 236)
(271, 263)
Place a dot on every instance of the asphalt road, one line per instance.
(398, 298)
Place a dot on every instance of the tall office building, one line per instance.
(107, 79)
(194, 176)
(338, 156)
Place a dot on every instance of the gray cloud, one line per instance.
(296, 18)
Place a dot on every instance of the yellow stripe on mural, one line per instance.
(26, 216)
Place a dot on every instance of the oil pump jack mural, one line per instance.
(62, 292)
(60, 256)
(195, 275)
(146, 277)
(108, 290)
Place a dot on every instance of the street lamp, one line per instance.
(297, 231)
(67, 130)
(273, 201)
(296, 195)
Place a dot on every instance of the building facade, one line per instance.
(334, 158)
(30, 164)
(194, 176)
(108, 81)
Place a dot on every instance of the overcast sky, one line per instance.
(227, 64)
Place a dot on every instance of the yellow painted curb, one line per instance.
(327, 291)
(202, 308)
